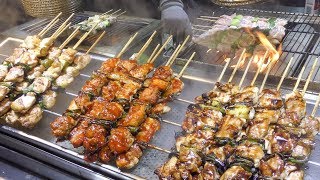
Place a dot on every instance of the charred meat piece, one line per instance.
(109, 92)
(141, 72)
(169, 170)
(162, 85)
(120, 140)
(231, 127)
(280, 142)
(62, 126)
(200, 140)
(290, 119)
(271, 115)
(272, 167)
(250, 150)
(164, 73)
(76, 136)
(136, 115)
(32, 117)
(190, 157)
(147, 130)
(126, 66)
(95, 138)
(311, 125)
(127, 91)
(175, 88)
(235, 172)
(109, 111)
(220, 153)
(209, 171)
(295, 103)
(292, 172)
(258, 128)
(270, 99)
(129, 159)
(80, 103)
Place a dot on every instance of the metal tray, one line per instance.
(199, 77)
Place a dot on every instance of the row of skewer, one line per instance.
(30, 76)
(241, 133)
(116, 113)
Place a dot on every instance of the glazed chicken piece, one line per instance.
(250, 150)
(248, 95)
(32, 117)
(126, 66)
(198, 117)
(62, 126)
(105, 154)
(129, 159)
(231, 126)
(220, 153)
(290, 119)
(109, 92)
(175, 88)
(95, 138)
(94, 85)
(258, 128)
(5, 106)
(49, 99)
(209, 171)
(270, 99)
(302, 149)
(149, 95)
(169, 170)
(23, 103)
(190, 158)
(109, 65)
(15, 74)
(109, 111)
(164, 73)
(81, 103)
(147, 130)
(295, 103)
(127, 91)
(271, 115)
(136, 115)
(120, 140)
(280, 142)
(141, 72)
(292, 172)
(311, 126)
(272, 167)
(199, 140)
(234, 173)
(4, 69)
(162, 85)
(76, 136)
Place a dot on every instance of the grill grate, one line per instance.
(301, 41)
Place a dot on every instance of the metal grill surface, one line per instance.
(199, 77)
(301, 41)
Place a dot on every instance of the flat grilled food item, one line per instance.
(100, 21)
(231, 33)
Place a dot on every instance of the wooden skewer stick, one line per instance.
(256, 75)
(209, 17)
(237, 66)
(266, 76)
(170, 122)
(41, 33)
(127, 45)
(186, 65)
(62, 30)
(284, 74)
(299, 78)
(107, 12)
(72, 35)
(173, 54)
(115, 12)
(47, 29)
(121, 14)
(210, 20)
(197, 29)
(161, 49)
(197, 25)
(245, 72)
(145, 46)
(315, 108)
(180, 49)
(85, 35)
(62, 25)
(96, 42)
(228, 60)
(309, 77)
(153, 53)
(157, 148)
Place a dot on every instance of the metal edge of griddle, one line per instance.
(61, 155)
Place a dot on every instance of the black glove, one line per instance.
(175, 20)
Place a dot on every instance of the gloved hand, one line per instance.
(175, 20)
